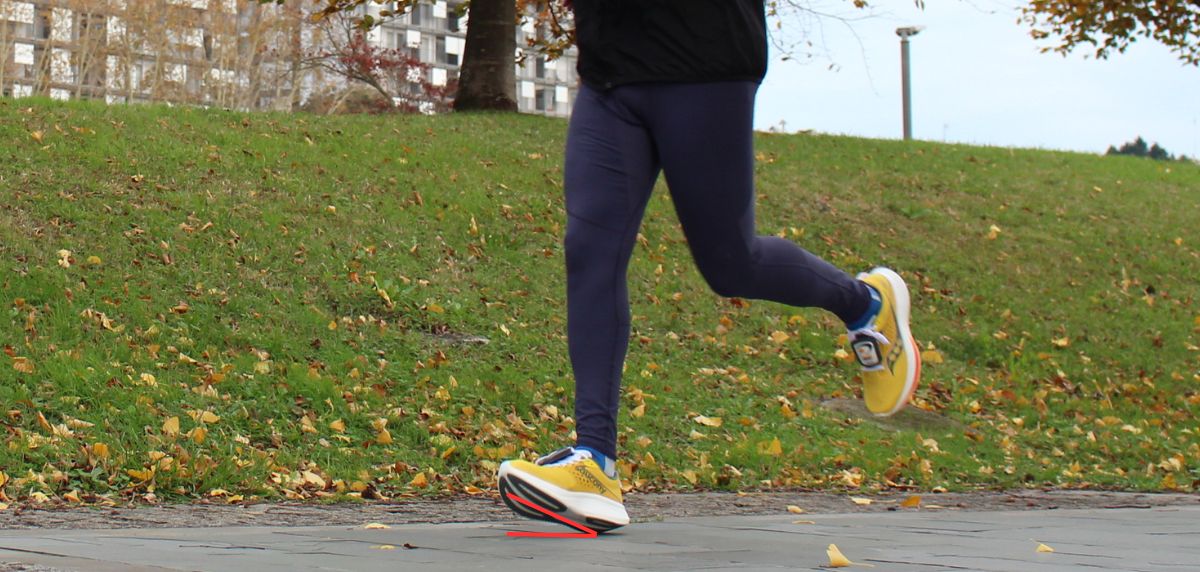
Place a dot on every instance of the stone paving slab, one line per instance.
(1130, 540)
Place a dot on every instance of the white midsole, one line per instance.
(903, 308)
(580, 506)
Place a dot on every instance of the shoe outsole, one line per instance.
(903, 311)
(523, 488)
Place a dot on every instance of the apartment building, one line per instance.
(225, 52)
(229, 53)
(435, 33)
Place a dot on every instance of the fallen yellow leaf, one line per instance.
(43, 423)
(638, 411)
(804, 522)
(993, 232)
(384, 437)
(22, 365)
(779, 337)
(376, 526)
(311, 478)
(209, 417)
(795, 509)
(836, 558)
(61, 430)
(913, 501)
(1043, 548)
(141, 475)
(171, 426)
(708, 421)
(861, 501)
(774, 448)
(931, 356)
(99, 449)
(420, 481)
(338, 425)
(1168, 482)
(385, 547)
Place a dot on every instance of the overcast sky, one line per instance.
(978, 78)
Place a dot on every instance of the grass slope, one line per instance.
(214, 304)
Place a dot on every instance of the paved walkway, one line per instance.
(1150, 540)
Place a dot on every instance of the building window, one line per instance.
(42, 27)
(428, 53)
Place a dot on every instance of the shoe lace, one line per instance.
(564, 456)
(870, 333)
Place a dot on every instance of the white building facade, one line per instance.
(436, 34)
(230, 53)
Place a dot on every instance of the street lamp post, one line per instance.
(904, 34)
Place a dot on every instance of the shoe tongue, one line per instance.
(564, 455)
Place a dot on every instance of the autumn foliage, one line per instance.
(401, 80)
(206, 304)
(1108, 26)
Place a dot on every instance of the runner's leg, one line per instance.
(704, 136)
(611, 166)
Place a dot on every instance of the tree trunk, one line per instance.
(487, 80)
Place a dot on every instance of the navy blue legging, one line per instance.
(700, 136)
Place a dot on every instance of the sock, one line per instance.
(608, 465)
(872, 311)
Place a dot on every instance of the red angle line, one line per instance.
(586, 532)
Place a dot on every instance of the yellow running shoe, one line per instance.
(885, 349)
(568, 482)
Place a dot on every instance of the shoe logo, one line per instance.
(894, 354)
(586, 476)
(867, 352)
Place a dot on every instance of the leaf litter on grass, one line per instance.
(215, 325)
